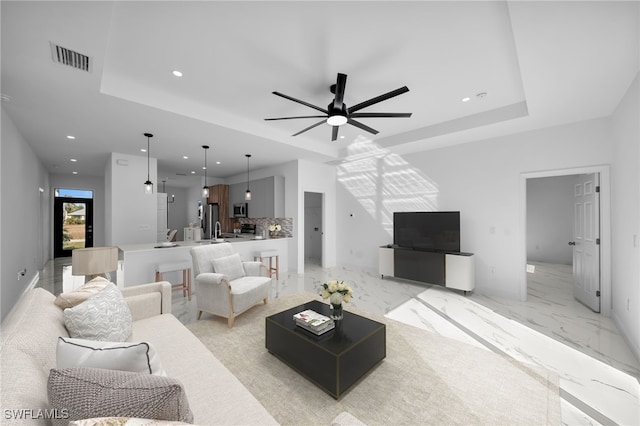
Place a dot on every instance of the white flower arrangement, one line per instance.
(337, 292)
(275, 227)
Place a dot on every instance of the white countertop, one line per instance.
(178, 244)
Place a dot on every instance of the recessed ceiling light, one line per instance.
(143, 149)
(193, 172)
(466, 99)
(184, 157)
(73, 160)
(177, 73)
(75, 173)
(342, 137)
(71, 137)
(217, 162)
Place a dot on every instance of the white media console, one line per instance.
(452, 270)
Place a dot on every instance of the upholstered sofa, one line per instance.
(29, 339)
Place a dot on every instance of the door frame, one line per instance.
(605, 227)
(59, 251)
(322, 221)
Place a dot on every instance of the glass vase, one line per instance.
(336, 312)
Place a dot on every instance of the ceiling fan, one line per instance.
(337, 113)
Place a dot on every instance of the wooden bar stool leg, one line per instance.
(184, 283)
(189, 288)
(277, 267)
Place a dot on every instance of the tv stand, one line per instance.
(454, 270)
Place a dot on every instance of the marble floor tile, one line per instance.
(599, 390)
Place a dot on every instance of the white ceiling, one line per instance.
(540, 63)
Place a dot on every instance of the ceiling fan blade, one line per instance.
(341, 83)
(334, 133)
(362, 126)
(377, 99)
(381, 114)
(310, 127)
(291, 118)
(301, 102)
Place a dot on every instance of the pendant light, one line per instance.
(148, 185)
(205, 188)
(247, 195)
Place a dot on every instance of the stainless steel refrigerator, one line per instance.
(209, 219)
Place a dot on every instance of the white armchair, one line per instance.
(225, 285)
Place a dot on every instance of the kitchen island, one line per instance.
(137, 262)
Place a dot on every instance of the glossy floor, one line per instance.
(598, 372)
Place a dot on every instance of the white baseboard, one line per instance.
(32, 283)
(634, 346)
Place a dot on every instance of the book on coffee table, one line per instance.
(320, 332)
(313, 321)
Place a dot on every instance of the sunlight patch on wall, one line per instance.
(383, 182)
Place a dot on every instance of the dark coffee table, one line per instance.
(334, 361)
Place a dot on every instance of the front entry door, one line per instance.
(72, 225)
(586, 243)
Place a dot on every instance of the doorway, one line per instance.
(72, 221)
(313, 231)
(568, 225)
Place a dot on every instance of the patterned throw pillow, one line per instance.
(231, 266)
(138, 357)
(104, 316)
(75, 297)
(83, 393)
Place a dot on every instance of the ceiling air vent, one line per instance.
(71, 58)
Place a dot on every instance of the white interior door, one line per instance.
(586, 243)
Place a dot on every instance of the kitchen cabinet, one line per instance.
(219, 194)
(267, 197)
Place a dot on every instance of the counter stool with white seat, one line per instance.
(269, 254)
(185, 267)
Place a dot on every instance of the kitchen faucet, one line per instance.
(217, 230)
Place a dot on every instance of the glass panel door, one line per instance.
(73, 225)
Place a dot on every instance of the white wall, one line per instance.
(550, 219)
(24, 220)
(132, 213)
(626, 216)
(480, 179)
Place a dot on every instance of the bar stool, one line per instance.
(185, 267)
(269, 254)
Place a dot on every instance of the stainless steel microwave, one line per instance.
(240, 210)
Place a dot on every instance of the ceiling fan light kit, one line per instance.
(337, 113)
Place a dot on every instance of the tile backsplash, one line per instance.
(263, 223)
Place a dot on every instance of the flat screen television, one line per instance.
(434, 231)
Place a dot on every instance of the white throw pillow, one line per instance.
(104, 316)
(75, 297)
(231, 266)
(138, 357)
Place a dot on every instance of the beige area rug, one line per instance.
(425, 378)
